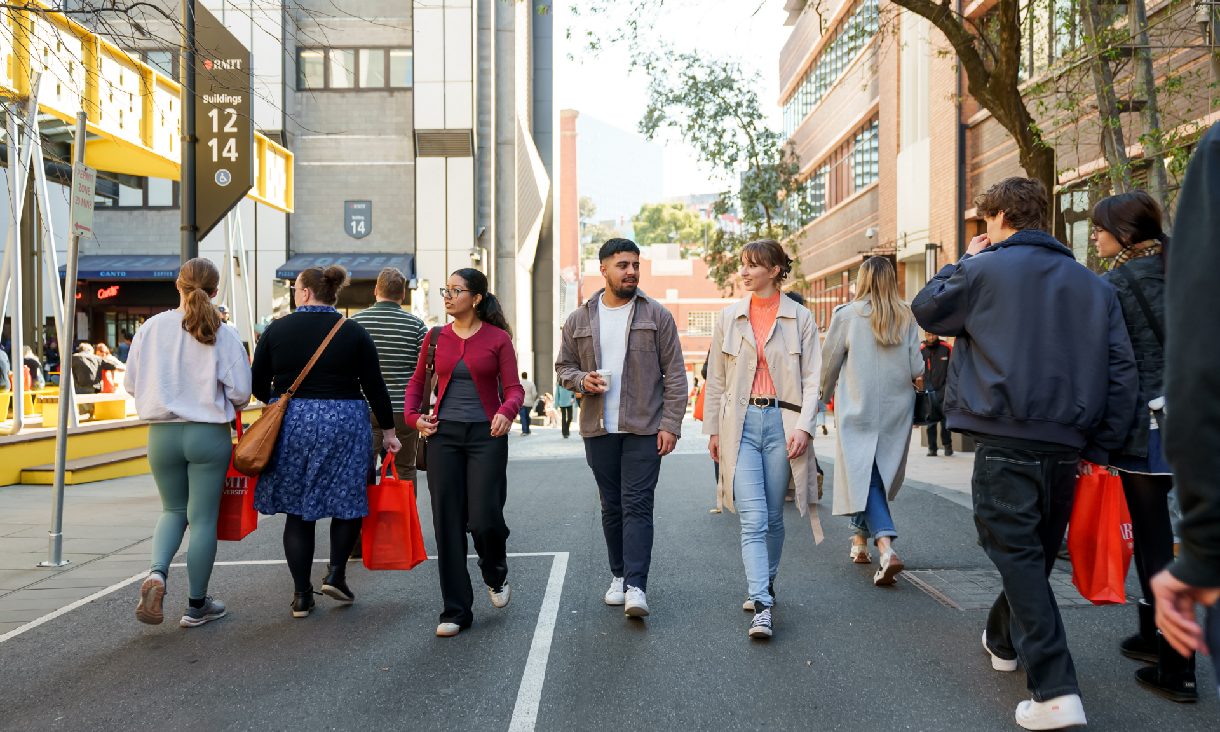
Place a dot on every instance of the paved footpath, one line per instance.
(846, 655)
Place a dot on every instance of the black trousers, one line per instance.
(1148, 501)
(565, 420)
(626, 468)
(942, 425)
(468, 483)
(1022, 503)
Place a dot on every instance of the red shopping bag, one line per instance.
(392, 538)
(237, 517)
(109, 383)
(1099, 537)
(699, 401)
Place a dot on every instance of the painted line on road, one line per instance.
(72, 606)
(533, 677)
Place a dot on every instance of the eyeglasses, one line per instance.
(452, 292)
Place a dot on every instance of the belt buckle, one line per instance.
(760, 402)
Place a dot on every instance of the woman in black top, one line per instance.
(1127, 228)
(322, 457)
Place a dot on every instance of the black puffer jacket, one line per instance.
(1149, 353)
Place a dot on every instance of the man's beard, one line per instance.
(625, 291)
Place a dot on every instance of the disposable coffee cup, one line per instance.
(605, 374)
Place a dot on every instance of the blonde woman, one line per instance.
(759, 407)
(872, 354)
(188, 376)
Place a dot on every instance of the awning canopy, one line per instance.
(359, 266)
(125, 267)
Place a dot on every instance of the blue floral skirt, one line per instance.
(321, 461)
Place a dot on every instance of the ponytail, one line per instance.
(488, 310)
(197, 278)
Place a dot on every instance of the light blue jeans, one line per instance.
(875, 519)
(759, 483)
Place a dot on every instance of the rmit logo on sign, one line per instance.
(223, 64)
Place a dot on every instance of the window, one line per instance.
(864, 159)
(164, 61)
(847, 40)
(849, 169)
(355, 68)
(150, 193)
(699, 323)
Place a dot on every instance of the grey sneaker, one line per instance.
(212, 609)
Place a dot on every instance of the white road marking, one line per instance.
(529, 693)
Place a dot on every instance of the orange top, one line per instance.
(762, 319)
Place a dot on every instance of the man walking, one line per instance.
(935, 371)
(398, 336)
(1015, 294)
(563, 402)
(527, 406)
(621, 350)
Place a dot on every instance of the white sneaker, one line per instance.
(1062, 711)
(891, 565)
(615, 595)
(448, 630)
(637, 603)
(997, 663)
(500, 597)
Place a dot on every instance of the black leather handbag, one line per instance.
(926, 410)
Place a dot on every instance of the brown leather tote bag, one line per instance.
(257, 445)
(425, 402)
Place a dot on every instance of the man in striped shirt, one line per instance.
(398, 336)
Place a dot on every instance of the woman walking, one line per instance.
(765, 348)
(188, 376)
(322, 456)
(872, 353)
(468, 443)
(1127, 229)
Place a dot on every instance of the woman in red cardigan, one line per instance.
(468, 442)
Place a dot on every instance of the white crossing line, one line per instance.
(529, 693)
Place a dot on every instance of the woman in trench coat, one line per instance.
(872, 354)
(759, 408)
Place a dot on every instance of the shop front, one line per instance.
(116, 293)
(362, 269)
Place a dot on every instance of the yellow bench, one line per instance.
(105, 406)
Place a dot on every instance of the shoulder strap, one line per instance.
(316, 355)
(1144, 304)
(425, 400)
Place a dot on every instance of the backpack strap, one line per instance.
(1145, 306)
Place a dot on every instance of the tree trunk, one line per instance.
(1112, 142)
(1145, 88)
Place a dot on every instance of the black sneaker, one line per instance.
(931, 453)
(302, 603)
(760, 626)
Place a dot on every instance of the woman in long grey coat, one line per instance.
(872, 352)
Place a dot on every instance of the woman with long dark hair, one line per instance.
(1127, 229)
(478, 395)
(188, 376)
(322, 456)
(872, 354)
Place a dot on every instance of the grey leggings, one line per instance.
(189, 461)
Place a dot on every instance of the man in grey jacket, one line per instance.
(621, 351)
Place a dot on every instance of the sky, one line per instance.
(752, 31)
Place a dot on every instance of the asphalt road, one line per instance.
(846, 655)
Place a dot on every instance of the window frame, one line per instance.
(357, 86)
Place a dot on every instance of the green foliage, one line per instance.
(660, 223)
(713, 105)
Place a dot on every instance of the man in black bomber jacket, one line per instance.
(1017, 296)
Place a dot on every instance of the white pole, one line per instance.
(51, 258)
(16, 187)
(55, 538)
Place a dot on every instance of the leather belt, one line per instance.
(764, 402)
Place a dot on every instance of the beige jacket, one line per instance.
(795, 360)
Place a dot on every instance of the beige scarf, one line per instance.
(1150, 248)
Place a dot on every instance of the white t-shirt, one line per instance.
(175, 378)
(612, 325)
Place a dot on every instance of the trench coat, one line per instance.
(794, 360)
(874, 404)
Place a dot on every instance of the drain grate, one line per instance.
(976, 589)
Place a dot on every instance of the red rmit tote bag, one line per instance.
(1100, 539)
(237, 518)
(391, 537)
